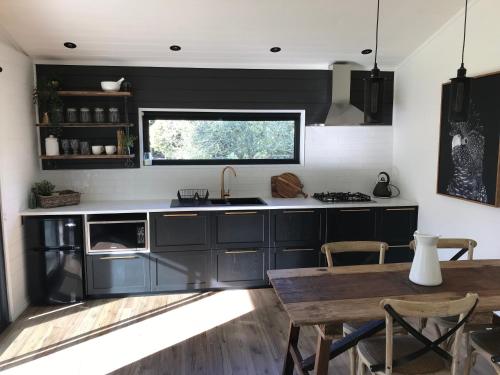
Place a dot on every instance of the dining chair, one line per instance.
(465, 246)
(350, 247)
(487, 344)
(415, 353)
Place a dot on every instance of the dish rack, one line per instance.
(192, 195)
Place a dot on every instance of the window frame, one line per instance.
(298, 115)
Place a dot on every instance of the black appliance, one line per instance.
(342, 197)
(383, 188)
(54, 259)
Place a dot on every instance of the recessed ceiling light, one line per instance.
(366, 51)
(175, 48)
(70, 45)
(275, 49)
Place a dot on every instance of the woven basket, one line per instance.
(59, 199)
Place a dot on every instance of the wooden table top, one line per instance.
(323, 296)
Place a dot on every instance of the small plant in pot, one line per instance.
(47, 197)
(48, 100)
(43, 188)
(128, 143)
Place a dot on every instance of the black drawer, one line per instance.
(296, 257)
(240, 229)
(241, 267)
(297, 227)
(351, 224)
(117, 273)
(396, 225)
(172, 231)
(180, 270)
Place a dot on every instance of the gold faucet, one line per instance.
(223, 193)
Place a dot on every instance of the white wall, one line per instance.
(416, 124)
(336, 159)
(18, 165)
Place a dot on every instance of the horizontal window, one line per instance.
(176, 138)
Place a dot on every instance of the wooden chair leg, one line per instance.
(293, 339)
(353, 361)
(322, 356)
(361, 367)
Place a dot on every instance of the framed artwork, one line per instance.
(469, 152)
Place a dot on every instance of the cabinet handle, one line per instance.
(292, 250)
(299, 212)
(125, 257)
(180, 215)
(357, 210)
(240, 213)
(398, 246)
(401, 209)
(240, 251)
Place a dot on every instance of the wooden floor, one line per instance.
(228, 332)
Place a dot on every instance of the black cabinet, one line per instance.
(351, 224)
(173, 231)
(180, 270)
(241, 229)
(291, 257)
(241, 267)
(117, 273)
(297, 227)
(396, 225)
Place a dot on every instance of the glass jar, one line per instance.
(85, 115)
(99, 114)
(114, 115)
(71, 115)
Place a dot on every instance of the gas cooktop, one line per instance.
(338, 197)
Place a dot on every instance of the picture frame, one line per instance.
(469, 152)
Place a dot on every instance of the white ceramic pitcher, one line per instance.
(425, 269)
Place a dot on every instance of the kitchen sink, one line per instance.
(237, 202)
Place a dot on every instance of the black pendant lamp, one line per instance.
(374, 88)
(460, 88)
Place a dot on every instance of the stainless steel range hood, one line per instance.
(342, 112)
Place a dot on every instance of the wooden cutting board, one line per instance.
(286, 185)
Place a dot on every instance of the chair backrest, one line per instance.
(397, 309)
(466, 244)
(354, 246)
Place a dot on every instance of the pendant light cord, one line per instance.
(376, 32)
(465, 28)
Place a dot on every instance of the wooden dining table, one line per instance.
(328, 297)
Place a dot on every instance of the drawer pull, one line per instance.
(125, 257)
(401, 209)
(357, 210)
(240, 213)
(180, 215)
(299, 212)
(292, 250)
(391, 246)
(240, 251)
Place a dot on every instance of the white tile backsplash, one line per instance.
(336, 158)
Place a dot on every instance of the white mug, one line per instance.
(97, 150)
(110, 149)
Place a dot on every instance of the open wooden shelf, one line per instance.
(93, 93)
(86, 125)
(83, 157)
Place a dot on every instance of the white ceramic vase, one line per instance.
(425, 269)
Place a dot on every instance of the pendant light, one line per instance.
(460, 88)
(374, 88)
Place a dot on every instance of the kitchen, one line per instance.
(203, 256)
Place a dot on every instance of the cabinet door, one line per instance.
(296, 257)
(396, 226)
(109, 274)
(351, 224)
(241, 229)
(180, 270)
(241, 267)
(172, 231)
(297, 227)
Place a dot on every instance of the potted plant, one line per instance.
(128, 143)
(47, 197)
(48, 100)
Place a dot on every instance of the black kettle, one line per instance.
(382, 189)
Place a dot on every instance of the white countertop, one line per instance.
(102, 207)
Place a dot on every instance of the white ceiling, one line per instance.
(222, 33)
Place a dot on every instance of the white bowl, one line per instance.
(110, 86)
